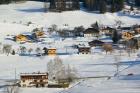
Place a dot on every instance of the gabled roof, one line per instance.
(96, 42)
(125, 28)
(91, 30)
(109, 28)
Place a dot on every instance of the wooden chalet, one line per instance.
(127, 35)
(107, 31)
(34, 79)
(21, 38)
(95, 43)
(51, 51)
(137, 29)
(84, 50)
(39, 34)
(91, 32)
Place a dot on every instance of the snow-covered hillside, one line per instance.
(14, 19)
(33, 11)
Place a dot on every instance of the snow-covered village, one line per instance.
(70, 46)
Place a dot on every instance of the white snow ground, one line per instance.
(14, 19)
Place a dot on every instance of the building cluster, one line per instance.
(34, 79)
(29, 37)
(83, 40)
(38, 79)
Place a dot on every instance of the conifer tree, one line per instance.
(113, 6)
(115, 37)
(52, 4)
(137, 2)
(75, 4)
(103, 6)
(120, 4)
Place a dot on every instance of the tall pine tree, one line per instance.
(52, 4)
(115, 37)
(103, 6)
(113, 6)
(137, 2)
(119, 4)
(75, 4)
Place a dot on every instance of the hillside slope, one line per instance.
(33, 11)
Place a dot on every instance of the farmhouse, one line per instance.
(95, 43)
(91, 32)
(34, 79)
(20, 38)
(107, 31)
(39, 34)
(84, 50)
(127, 35)
(52, 51)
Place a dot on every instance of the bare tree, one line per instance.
(54, 27)
(30, 51)
(12, 89)
(71, 73)
(57, 70)
(7, 49)
(38, 51)
(23, 50)
(108, 48)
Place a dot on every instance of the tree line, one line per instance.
(104, 5)
(92, 5)
(9, 1)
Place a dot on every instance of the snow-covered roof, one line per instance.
(30, 74)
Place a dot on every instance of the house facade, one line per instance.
(91, 32)
(127, 35)
(107, 31)
(34, 79)
(20, 38)
(84, 50)
(52, 51)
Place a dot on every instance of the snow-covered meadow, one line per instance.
(13, 21)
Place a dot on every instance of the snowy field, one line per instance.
(98, 65)
(14, 19)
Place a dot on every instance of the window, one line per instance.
(35, 80)
(24, 85)
(23, 80)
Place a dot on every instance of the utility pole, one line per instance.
(15, 74)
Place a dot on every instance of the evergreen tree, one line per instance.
(113, 8)
(90, 4)
(115, 37)
(137, 2)
(95, 25)
(13, 52)
(103, 6)
(52, 4)
(45, 51)
(119, 4)
(75, 4)
(131, 8)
